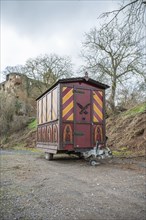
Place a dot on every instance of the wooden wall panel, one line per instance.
(44, 110)
(49, 107)
(54, 104)
(40, 111)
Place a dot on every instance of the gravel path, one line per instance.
(68, 188)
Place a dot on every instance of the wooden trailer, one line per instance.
(71, 116)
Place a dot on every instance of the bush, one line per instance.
(10, 118)
(7, 111)
(18, 123)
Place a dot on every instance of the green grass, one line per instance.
(19, 145)
(122, 153)
(136, 110)
(33, 124)
(30, 149)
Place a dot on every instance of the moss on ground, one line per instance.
(136, 110)
(127, 153)
(124, 153)
(33, 124)
(22, 148)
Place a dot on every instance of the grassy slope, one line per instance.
(136, 110)
(127, 132)
(33, 125)
(23, 138)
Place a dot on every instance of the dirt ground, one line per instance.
(68, 188)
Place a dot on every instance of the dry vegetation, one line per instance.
(127, 132)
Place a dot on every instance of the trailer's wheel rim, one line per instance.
(99, 157)
(93, 162)
(46, 156)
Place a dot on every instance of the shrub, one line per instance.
(12, 115)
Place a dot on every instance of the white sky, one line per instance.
(31, 28)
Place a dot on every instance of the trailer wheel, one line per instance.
(94, 163)
(48, 156)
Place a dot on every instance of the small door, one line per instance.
(82, 122)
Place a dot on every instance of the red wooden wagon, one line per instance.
(71, 118)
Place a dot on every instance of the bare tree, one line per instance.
(49, 68)
(112, 55)
(131, 94)
(133, 13)
(46, 69)
(15, 69)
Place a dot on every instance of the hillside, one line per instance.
(25, 137)
(126, 133)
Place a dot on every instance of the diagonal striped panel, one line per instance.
(97, 106)
(67, 103)
(67, 96)
(64, 88)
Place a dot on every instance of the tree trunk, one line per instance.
(112, 95)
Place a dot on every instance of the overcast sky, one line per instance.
(31, 28)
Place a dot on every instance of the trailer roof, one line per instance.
(78, 79)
